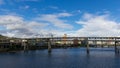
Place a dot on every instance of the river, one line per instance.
(61, 58)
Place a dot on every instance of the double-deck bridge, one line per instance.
(63, 41)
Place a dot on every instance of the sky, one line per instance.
(76, 18)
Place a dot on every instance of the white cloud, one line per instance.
(18, 27)
(79, 11)
(92, 25)
(53, 7)
(10, 19)
(98, 25)
(26, 7)
(64, 15)
(56, 20)
(34, 23)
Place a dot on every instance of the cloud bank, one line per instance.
(17, 26)
(90, 25)
(98, 25)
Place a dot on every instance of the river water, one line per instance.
(62, 58)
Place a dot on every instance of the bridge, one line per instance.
(64, 41)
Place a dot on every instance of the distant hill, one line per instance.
(1, 36)
(6, 37)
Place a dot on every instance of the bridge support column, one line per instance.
(101, 43)
(88, 50)
(24, 44)
(49, 46)
(115, 47)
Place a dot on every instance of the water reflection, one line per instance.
(62, 58)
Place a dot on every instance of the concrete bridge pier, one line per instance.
(25, 47)
(101, 44)
(49, 46)
(116, 49)
(24, 44)
(88, 50)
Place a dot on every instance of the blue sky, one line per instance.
(35, 18)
